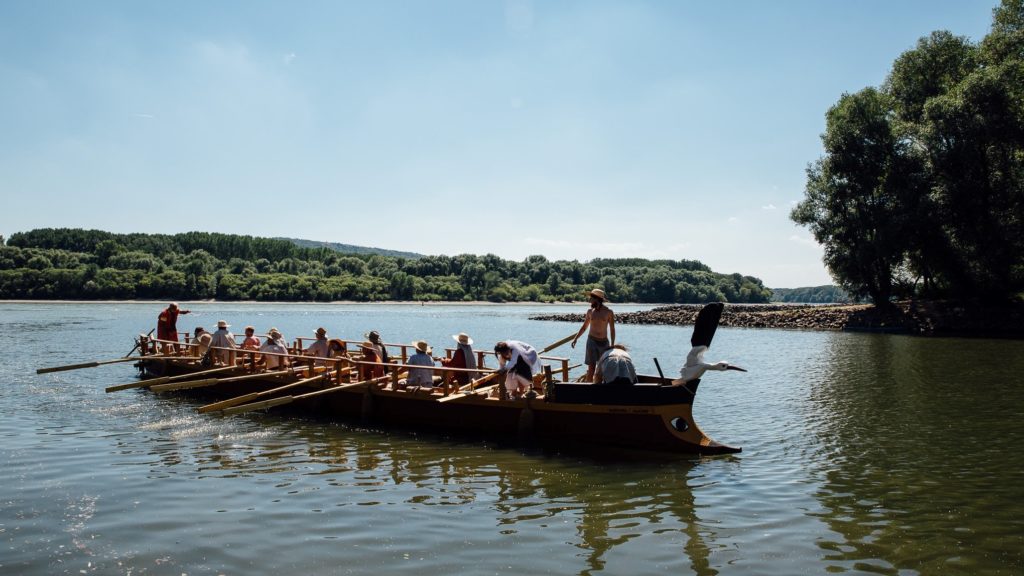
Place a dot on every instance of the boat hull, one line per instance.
(645, 417)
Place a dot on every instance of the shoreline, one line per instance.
(923, 318)
(338, 302)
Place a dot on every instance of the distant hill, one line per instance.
(350, 249)
(812, 295)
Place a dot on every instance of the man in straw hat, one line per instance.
(601, 321)
(422, 357)
(274, 351)
(462, 358)
(223, 339)
(319, 348)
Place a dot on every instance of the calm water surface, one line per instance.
(861, 454)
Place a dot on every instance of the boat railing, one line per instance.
(344, 365)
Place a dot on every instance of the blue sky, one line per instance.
(570, 129)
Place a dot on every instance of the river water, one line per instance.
(862, 453)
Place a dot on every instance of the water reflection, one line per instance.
(901, 445)
(609, 504)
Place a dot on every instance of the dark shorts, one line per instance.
(595, 348)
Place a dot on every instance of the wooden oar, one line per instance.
(98, 363)
(551, 347)
(223, 404)
(165, 379)
(471, 387)
(477, 391)
(289, 399)
(214, 381)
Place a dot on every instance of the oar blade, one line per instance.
(223, 404)
(68, 367)
(259, 405)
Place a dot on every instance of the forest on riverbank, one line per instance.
(920, 192)
(77, 264)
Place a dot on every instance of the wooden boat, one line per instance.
(655, 414)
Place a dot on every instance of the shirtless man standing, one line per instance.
(601, 320)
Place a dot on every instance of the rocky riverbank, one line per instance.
(910, 317)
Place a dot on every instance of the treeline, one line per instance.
(921, 189)
(93, 264)
(811, 295)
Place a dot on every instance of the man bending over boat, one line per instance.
(601, 321)
(615, 367)
(521, 362)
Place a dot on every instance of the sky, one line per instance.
(572, 129)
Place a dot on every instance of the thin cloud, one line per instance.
(288, 58)
(143, 115)
(768, 207)
(804, 241)
(609, 247)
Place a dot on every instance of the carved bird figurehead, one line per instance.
(703, 332)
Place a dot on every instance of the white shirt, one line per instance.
(615, 364)
(275, 347)
(527, 352)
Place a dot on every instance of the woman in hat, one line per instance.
(462, 358)
(382, 351)
(369, 371)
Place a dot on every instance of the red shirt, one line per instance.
(167, 324)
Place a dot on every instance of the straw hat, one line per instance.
(274, 333)
(597, 293)
(462, 338)
(367, 346)
(372, 335)
(422, 346)
(321, 331)
(223, 324)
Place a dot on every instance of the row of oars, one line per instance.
(252, 401)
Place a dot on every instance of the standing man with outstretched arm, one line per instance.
(601, 321)
(167, 326)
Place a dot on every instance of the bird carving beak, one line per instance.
(737, 368)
